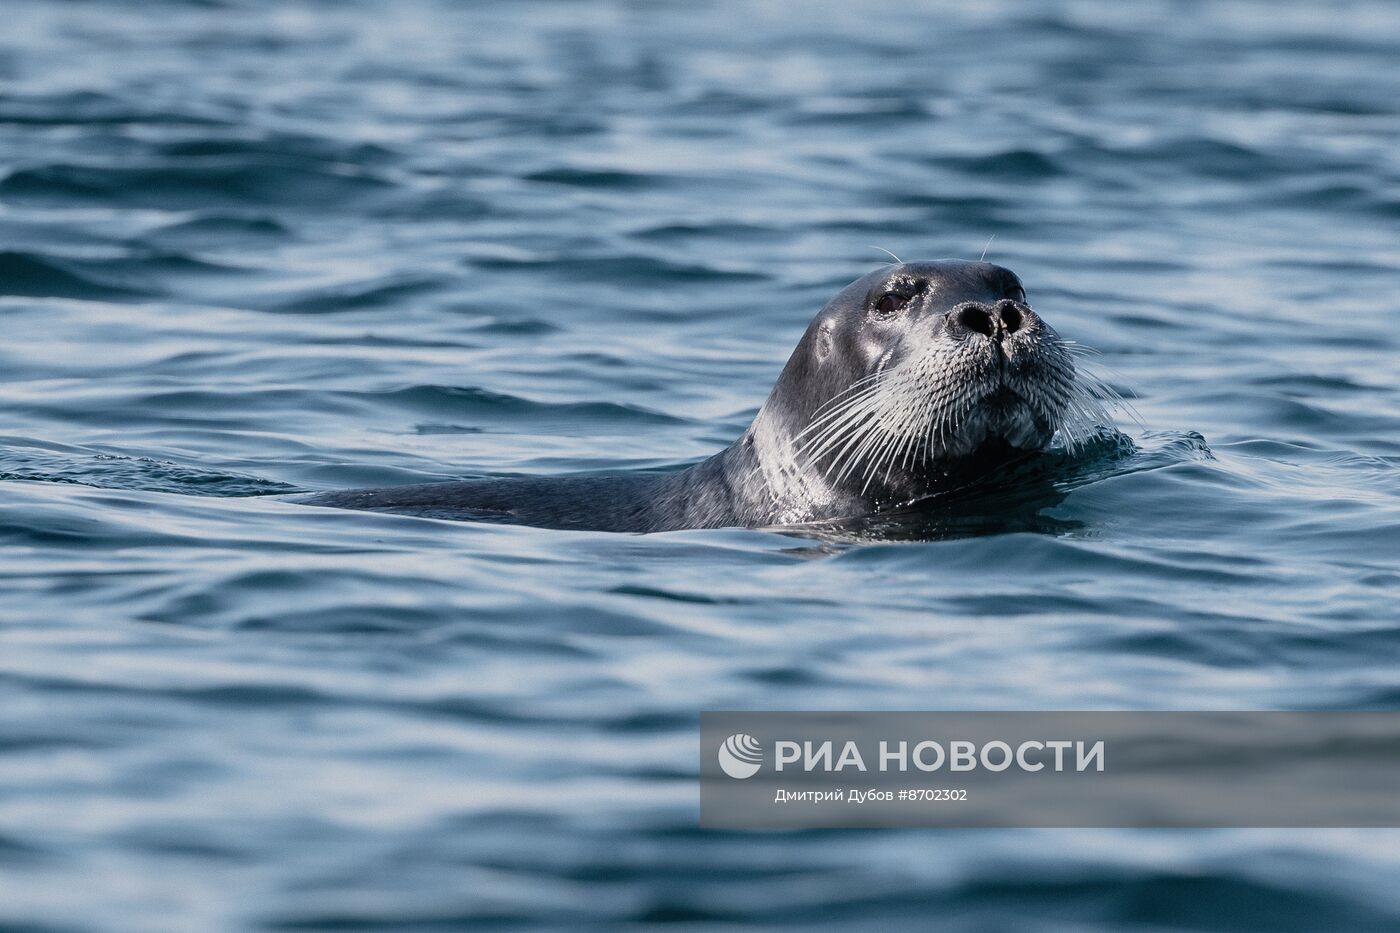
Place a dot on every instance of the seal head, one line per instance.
(911, 373)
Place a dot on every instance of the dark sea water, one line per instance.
(255, 248)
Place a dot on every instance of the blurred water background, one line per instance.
(258, 247)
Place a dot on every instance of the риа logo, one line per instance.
(740, 756)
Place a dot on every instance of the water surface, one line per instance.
(250, 248)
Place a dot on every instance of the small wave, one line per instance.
(722, 229)
(516, 327)
(1335, 196)
(311, 149)
(109, 471)
(599, 178)
(862, 110)
(960, 210)
(136, 273)
(218, 228)
(1198, 155)
(428, 428)
(1011, 165)
(359, 296)
(36, 276)
(80, 108)
(441, 399)
(1114, 454)
(183, 186)
(627, 269)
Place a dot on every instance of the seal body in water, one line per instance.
(913, 374)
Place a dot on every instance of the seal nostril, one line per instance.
(1010, 316)
(975, 317)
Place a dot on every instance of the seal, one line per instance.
(912, 376)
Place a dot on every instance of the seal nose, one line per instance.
(998, 321)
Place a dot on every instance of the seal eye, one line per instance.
(1016, 293)
(890, 303)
